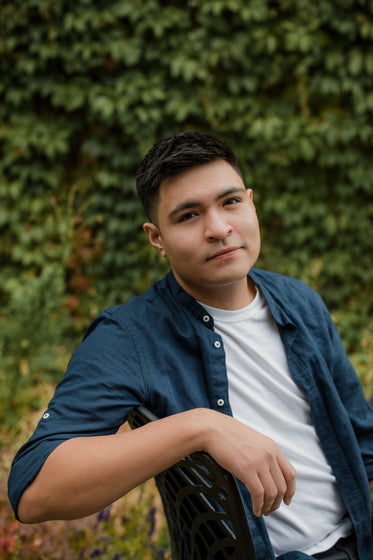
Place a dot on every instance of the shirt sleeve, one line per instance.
(102, 383)
(351, 393)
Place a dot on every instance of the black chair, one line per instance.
(203, 506)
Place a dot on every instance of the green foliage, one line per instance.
(29, 328)
(88, 87)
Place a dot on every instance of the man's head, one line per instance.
(203, 219)
(173, 155)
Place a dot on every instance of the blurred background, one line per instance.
(87, 87)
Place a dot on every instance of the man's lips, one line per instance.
(223, 253)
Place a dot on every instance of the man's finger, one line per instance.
(255, 487)
(289, 473)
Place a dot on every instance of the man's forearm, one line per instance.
(85, 474)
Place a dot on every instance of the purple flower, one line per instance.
(151, 520)
(103, 515)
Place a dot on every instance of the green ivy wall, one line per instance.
(87, 87)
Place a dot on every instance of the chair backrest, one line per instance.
(203, 506)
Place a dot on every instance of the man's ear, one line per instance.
(249, 193)
(155, 237)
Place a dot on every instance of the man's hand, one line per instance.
(253, 458)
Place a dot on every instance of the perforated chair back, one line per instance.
(203, 506)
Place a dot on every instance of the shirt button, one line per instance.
(217, 344)
(205, 318)
(46, 415)
(220, 402)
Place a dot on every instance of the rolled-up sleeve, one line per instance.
(102, 383)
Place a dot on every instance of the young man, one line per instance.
(242, 363)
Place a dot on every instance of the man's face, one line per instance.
(208, 229)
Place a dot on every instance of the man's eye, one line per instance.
(186, 217)
(230, 201)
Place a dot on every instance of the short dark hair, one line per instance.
(172, 155)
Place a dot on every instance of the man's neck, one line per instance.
(231, 297)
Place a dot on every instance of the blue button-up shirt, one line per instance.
(161, 350)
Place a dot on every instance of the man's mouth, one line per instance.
(223, 253)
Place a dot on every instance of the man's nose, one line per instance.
(217, 227)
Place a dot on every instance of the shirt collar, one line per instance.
(188, 301)
(271, 293)
(274, 297)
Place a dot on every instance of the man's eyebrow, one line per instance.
(188, 204)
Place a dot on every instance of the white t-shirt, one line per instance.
(264, 396)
